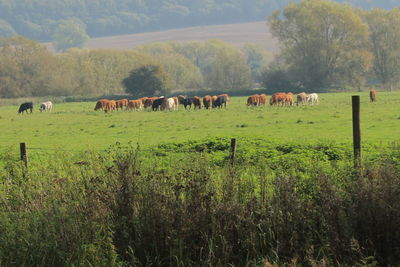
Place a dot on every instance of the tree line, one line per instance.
(44, 20)
(27, 68)
(324, 45)
(327, 45)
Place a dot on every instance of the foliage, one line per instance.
(290, 204)
(384, 28)
(257, 59)
(68, 34)
(324, 43)
(25, 68)
(148, 80)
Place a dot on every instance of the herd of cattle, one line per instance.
(172, 103)
(163, 103)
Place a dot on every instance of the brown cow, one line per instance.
(227, 97)
(253, 100)
(148, 103)
(372, 95)
(101, 104)
(262, 99)
(110, 106)
(196, 102)
(301, 98)
(121, 103)
(135, 105)
(278, 99)
(207, 101)
(143, 99)
(289, 99)
(213, 99)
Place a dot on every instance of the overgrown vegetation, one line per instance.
(126, 207)
(28, 69)
(331, 45)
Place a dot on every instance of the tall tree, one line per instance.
(147, 81)
(229, 71)
(70, 33)
(384, 28)
(25, 68)
(324, 43)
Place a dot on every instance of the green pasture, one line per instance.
(76, 126)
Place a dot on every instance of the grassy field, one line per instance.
(75, 126)
(291, 198)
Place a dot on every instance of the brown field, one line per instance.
(235, 34)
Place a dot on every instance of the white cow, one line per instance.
(46, 106)
(313, 98)
(168, 103)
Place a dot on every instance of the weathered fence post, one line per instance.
(233, 150)
(24, 157)
(356, 131)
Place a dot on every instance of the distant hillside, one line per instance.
(235, 34)
(38, 20)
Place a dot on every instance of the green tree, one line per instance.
(26, 68)
(257, 58)
(183, 74)
(68, 34)
(384, 34)
(229, 71)
(146, 81)
(324, 43)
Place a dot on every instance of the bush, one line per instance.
(280, 204)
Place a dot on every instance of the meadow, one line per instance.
(92, 197)
(77, 127)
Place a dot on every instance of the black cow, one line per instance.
(25, 106)
(157, 103)
(221, 100)
(187, 102)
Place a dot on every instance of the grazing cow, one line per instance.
(221, 100)
(46, 106)
(181, 98)
(187, 102)
(119, 104)
(176, 101)
(227, 97)
(301, 98)
(372, 95)
(168, 104)
(135, 105)
(207, 101)
(253, 100)
(277, 99)
(213, 99)
(101, 104)
(149, 102)
(262, 99)
(24, 107)
(313, 98)
(143, 99)
(196, 102)
(157, 103)
(289, 99)
(111, 105)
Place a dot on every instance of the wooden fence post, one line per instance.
(233, 150)
(24, 158)
(356, 131)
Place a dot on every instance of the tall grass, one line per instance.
(127, 208)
